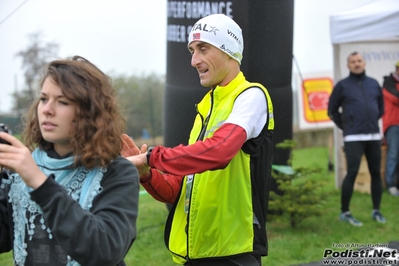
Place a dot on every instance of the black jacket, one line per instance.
(101, 236)
(362, 105)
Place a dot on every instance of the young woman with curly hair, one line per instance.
(72, 199)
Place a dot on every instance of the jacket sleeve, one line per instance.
(5, 215)
(334, 104)
(169, 165)
(163, 187)
(211, 154)
(389, 97)
(103, 235)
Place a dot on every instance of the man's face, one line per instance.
(213, 66)
(356, 64)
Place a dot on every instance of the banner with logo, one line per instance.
(314, 90)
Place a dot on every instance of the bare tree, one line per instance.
(34, 59)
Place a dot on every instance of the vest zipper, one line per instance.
(205, 122)
(200, 137)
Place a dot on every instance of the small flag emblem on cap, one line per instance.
(196, 36)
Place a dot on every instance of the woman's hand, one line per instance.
(18, 158)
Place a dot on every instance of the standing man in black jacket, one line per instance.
(360, 98)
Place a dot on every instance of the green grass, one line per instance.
(306, 243)
(287, 246)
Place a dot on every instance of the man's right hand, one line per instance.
(130, 148)
(137, 156)
(140, 161)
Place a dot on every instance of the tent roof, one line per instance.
(375, 21)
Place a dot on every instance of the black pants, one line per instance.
(244, 260)
(353, 153)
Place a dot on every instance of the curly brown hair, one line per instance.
(96, 136)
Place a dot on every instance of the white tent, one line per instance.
(372, 30)
(377, 20)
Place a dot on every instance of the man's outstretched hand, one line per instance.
(136, 156)
(130, 148)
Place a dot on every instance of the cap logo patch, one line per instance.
(234, 36)
(205, 28)
(196, 36)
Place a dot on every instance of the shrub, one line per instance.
(299, 195)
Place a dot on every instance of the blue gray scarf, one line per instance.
(82, 185)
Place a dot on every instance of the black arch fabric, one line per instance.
(267, 27)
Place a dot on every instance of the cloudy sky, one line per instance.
(129, 36)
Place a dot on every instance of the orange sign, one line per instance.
(316, 93)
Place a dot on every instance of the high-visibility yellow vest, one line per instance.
(222, 218)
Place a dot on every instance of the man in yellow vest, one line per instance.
(219, 183)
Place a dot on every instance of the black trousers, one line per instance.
(353, 153)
